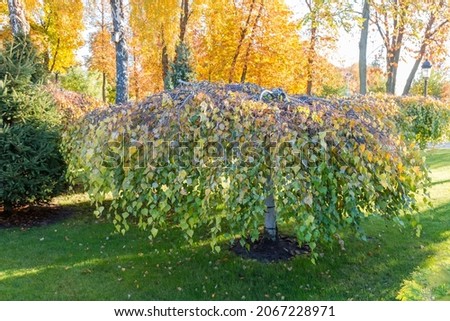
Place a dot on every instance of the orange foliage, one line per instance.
(72, 105)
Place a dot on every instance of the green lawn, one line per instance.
(79, 258)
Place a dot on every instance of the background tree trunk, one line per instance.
(241, 42)
(18, 21)
(104, 87)
(118, 16)
(412, 74)
(184, 18)
(165, 66)
(363, 49)
(311, 56)
(252, 37)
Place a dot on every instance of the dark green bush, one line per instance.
(31, 165)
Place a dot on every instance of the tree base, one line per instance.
(266, 250)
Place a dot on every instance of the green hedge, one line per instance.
(424, 120)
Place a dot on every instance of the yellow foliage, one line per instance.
(56, 29)
(155, 27)
(102, 54)
(270, 49)
(62, 28)
(72, 105)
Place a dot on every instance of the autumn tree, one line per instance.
(321, 23)
(433, 23)
(59, 25)
(160, 44)
(119, 37)
(155, 28)
(101, 47)
(376, 79)
(247, 31)
(55, 28)
(248, 41)
(6, 32)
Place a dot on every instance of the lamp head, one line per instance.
(426, 69)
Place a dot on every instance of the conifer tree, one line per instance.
(31, 166)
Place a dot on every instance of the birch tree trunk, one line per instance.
(363, 49)
(118, 16)
(270, 219)
(18, 21)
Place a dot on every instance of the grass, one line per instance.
(79, 258)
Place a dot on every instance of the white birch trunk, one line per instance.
(119, 24)
(270, 220)
(18, 21)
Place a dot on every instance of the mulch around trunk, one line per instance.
(38, 215)
(265, 250)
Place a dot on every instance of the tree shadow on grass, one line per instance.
(440, 182)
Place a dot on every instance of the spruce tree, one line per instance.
(180, 68)
(31, 165)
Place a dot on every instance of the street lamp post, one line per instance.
(426, 72)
